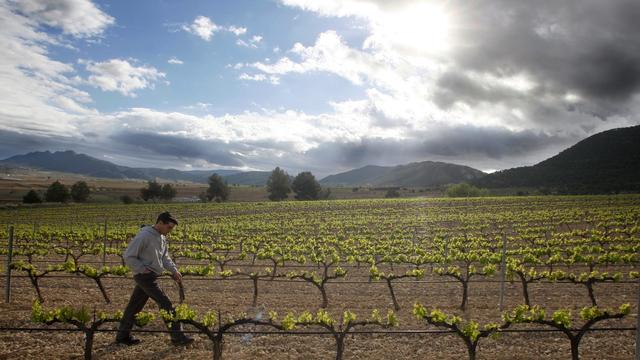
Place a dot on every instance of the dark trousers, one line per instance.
(146, 287)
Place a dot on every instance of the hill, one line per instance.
(72, 162)
(420, 174)
(607, 162)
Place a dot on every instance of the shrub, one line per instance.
(32, 197)
(392, 193)
(80, 191)
(465, 190)
(57, 192)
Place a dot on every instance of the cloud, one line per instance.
(583, 47)
(79, 18)
(482, 148)
(121, 76)
(514, 83)
(180, 147)
(328, 54)
(260, 77)
(36, 88)
(175, 61)
(205, 28)
(251, 43)
(237, 30)
(562, 67)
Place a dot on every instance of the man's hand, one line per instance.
(177, 277)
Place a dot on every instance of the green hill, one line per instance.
(607, 162)
(421, 174)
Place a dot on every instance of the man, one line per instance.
(147, 256)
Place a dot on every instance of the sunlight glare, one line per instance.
(422, 26)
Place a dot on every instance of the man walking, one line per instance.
(147, 256)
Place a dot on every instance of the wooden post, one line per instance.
(638, 324)
(104, 245)
(7, 290)
(503, 270)
(446, 253)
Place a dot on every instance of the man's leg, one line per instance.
(136, 304)
(149, 285)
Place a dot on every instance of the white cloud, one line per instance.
(329, 54)
(175, 61)
(203, 27)
(260, 77)
(121, 76)
(80, 18)
(251, 43)
(200, 106)
(237, 30)
(35, 88)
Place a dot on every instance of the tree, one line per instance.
(306, 186)
(392, 193)
(57, 192)
(151, 192)
(32, 197)
(218, 189)
(465, 190)
(278, 185)
(168, 192)
(126, 199)
(80, 191)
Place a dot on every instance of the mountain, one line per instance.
(257, 178)
(72, 162)
(427, 173)
(603, 163)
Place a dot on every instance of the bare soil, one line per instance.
(235, 296)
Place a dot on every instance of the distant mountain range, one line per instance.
(72, 162)
(426, 173)
(602, 163)
(421, 174)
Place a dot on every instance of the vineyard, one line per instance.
(513, 277)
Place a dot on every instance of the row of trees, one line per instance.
(58, 192)
(304, 185)
(155, 191)
(279, 186)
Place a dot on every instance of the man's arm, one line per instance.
(168, 264)
(132, 255)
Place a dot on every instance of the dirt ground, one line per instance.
(234, 296)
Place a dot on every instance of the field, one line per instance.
(269, 264)
(16, 182)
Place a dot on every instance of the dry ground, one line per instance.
(233, 296)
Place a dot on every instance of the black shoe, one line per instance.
(183, 341)
(128, 341)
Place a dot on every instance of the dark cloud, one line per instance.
(177, 147)
(458, 87)
(15, 143)
(607, 72)
(587, 47)
(481, 147)
(492, 142)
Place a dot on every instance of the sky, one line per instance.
(315, 85)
